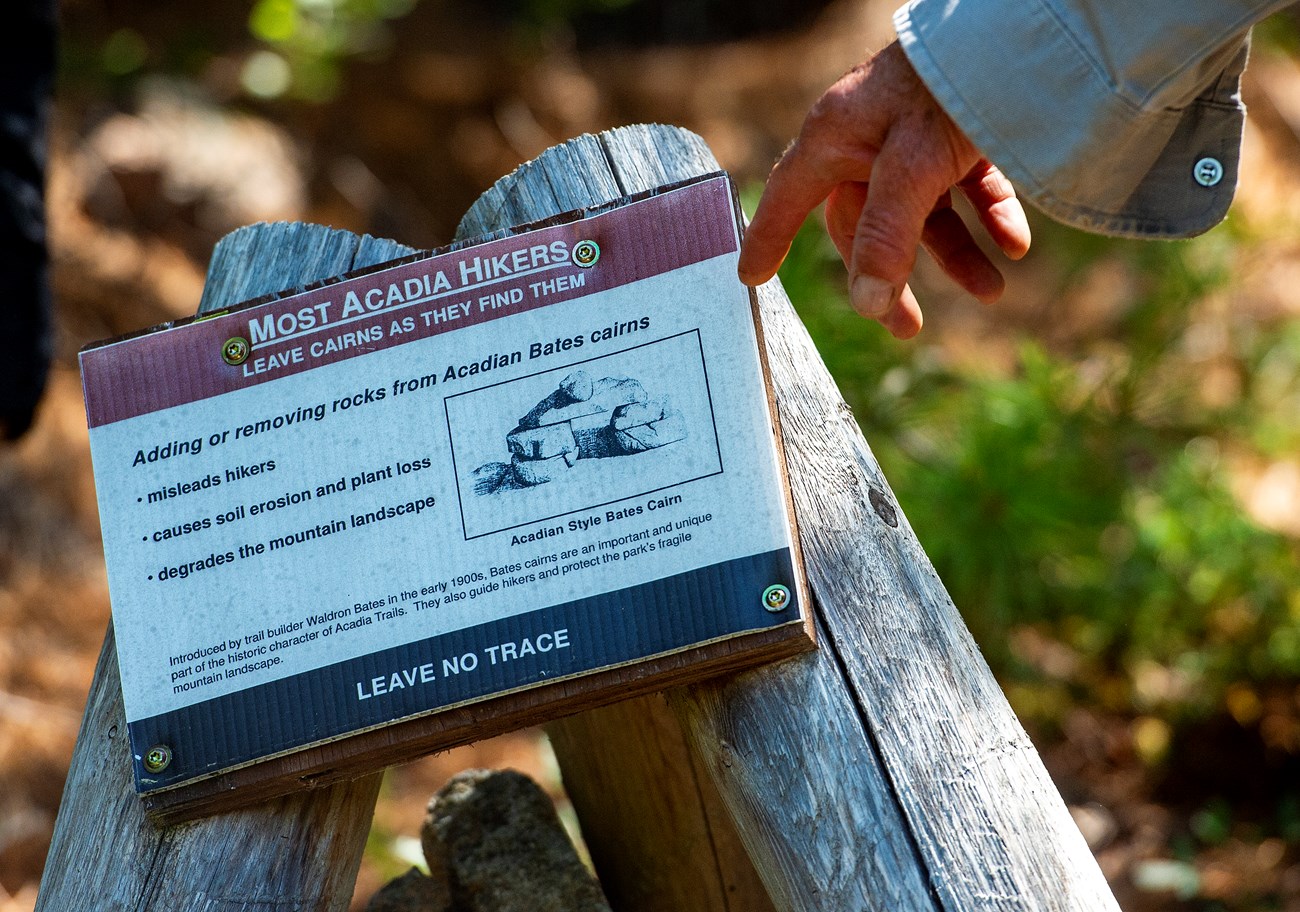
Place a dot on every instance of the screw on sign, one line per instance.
(586, 253)
(158, 758)
(234, 351)
(776, 598)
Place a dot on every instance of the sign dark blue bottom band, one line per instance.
(475, 663)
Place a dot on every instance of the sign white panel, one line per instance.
(469, 474)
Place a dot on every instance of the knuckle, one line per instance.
(825, 115)
(883, 243)
(997, 185)
(988, 181)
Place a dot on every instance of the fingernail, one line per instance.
(871, 296)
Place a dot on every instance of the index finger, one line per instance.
(798, 183)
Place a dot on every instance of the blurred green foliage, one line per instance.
(1086, 494)
(308, 41)
(299, 49)
(291, 49)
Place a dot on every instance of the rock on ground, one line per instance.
(412, 892)
(495, 838)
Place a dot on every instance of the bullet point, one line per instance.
(150, 576)
(139, 500)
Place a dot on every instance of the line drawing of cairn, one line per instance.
(581, 419)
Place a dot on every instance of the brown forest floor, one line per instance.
(142, 186)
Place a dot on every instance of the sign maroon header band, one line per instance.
(440, 292)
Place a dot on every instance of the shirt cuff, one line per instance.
(1026, 92)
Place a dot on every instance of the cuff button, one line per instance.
(1208, 172)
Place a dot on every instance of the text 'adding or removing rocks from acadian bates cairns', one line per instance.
(163, 451)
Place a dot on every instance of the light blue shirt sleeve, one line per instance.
(1120, 118)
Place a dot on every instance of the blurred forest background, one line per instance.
(1105, 467)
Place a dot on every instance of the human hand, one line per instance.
(884, 156)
